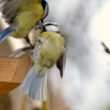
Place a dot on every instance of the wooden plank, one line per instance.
(8, 67)
(21, 70)
(12, 72)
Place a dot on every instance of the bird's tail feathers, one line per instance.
(4, 34)
(35, 86)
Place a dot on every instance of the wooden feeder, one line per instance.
(12, 72)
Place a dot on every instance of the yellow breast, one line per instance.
(52, 48)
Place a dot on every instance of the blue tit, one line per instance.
(47, 52)
(22, 16)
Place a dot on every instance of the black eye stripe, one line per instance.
(50, 24)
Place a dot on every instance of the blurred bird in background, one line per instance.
(22, 16)
(48, 51)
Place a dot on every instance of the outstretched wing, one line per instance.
(9, 9)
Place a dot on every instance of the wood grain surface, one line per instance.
(12, 72)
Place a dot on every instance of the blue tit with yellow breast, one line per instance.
(48, 51)
(22, 16)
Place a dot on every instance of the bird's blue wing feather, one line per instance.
(4, 34)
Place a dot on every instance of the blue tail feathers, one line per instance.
(4, 34)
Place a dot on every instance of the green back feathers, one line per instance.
(27, 16)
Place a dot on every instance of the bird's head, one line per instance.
(51, 26)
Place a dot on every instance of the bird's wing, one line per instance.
(61, 63)
(9, 9)
(37, 49)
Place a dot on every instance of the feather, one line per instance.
(4, 34)
(9, 8)
(61, 63)
(35, 86)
